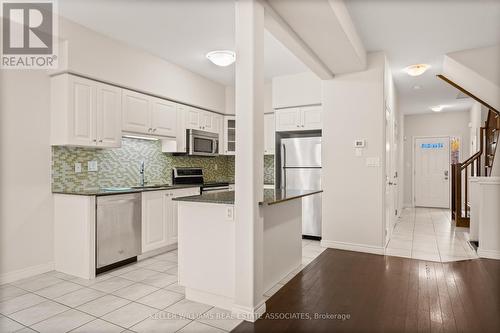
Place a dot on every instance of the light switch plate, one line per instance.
(92, 166)
(78, 167)
(359, 143)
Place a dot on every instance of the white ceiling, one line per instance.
(422, 31)
(179, 31)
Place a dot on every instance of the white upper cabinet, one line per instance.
(288, 119)
(299, 119)
(82, 116)
(148, 115)
(202, 120)
(192, 118)
(269, 134)
(206, 121)
(163, 117)
(85, 112)
(136, 112)
(229, 135)
(109, 106)
(311, 118)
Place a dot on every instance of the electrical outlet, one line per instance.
(92, 166)
(229, 213)
(78, 167)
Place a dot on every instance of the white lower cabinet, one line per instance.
(154, 231)
(159, 217)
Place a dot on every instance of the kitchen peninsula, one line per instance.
(206, 242)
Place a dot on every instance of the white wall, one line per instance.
(353, 197)
(97, 56)
(26, 214)
(478, 116)
(477, 71)
(432, 124)
(295, 90)
(268, 99)
(401, 163)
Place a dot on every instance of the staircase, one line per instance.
(479, 164)
(475, 73)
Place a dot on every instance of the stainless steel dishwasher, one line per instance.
(118, 230)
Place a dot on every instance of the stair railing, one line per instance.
(489, 134)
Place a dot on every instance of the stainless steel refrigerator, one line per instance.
(301, 170)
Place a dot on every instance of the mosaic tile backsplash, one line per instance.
(120, 166)
(268, 169)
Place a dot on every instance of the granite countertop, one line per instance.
(271, 197)
(123, 190)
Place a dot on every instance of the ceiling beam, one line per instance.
(275, 24)
(326, 28)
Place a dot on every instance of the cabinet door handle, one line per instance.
(154, 129)
(100, 140)
(95, 140)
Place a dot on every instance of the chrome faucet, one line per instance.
(141, 172)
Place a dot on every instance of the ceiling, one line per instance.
(423, 31)
(181, 32)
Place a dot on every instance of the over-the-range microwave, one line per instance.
(202, 143)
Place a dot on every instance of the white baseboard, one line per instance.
(26, 272)
(161, 250)
(249, 314)
(489, 254)
(219, 301)
(353, 247)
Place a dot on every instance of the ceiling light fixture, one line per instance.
(438, 108)
(416, 70)
(222, 58)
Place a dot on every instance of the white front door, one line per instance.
(432, 169)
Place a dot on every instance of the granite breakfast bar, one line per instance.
(206, 242)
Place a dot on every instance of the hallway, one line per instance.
(428, 234)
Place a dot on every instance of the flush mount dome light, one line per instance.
(416, 70)
(437, 108)
(222, 58)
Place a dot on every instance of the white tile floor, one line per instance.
(429, 234)
(141, 297)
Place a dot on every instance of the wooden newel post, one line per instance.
(458, 192)
(453, 189)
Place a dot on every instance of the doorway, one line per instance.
(431, 163)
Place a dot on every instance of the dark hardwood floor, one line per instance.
(386, 294)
